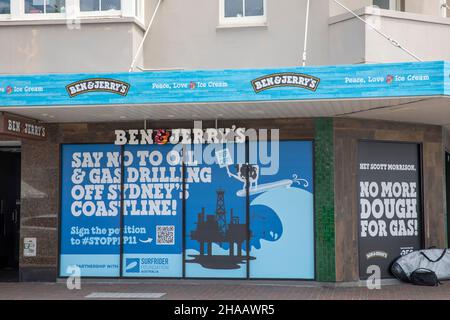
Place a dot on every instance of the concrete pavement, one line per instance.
(221, 290)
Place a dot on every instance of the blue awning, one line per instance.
(370, 81)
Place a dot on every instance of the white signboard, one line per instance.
(29, 247)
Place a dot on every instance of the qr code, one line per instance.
(165, 235)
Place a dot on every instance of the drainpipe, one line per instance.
(133, 64)
(305, 46)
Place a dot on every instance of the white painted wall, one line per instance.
(187, 34)
(335, 9)
(54, 48)
(352, 41)
(427, 7)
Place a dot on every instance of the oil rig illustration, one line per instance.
(213, 228)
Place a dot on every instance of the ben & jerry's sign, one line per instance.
(98, 85)
(22, 127)
(286, 79)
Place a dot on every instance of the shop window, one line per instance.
(282, 216)
(44, 6)
(209, 215)
(279, 220)
(216, 218)
(90, 210)
(242, 11)
(5, 7)
(153, 212)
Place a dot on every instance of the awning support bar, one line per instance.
(145, 37)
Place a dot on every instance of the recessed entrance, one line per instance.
(9, 212)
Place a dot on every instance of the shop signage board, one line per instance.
(189, 215)
(210, 86)
(21, 127)
(389, 202)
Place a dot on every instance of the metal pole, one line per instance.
(394, 42)
(145, 37)
(305, 45)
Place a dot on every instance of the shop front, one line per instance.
(301, 173)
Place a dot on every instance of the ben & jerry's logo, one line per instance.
(286, 79)
(98, 85)
(376, 254)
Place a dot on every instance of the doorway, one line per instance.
(9, 213)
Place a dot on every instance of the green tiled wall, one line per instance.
(324, 200)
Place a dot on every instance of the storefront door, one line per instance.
(9, 213)
(390, 204)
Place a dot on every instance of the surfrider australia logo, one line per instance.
(132, 265)
(286, 79)
(98, 85)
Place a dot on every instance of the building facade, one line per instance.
(363, 130)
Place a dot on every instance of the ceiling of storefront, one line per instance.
(429, 110)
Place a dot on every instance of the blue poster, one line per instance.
(90, 210)
(282, 210)
(216, 226)
(280, 225)
(152, 231)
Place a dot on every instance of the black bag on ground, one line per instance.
(435, 260)
(424, 277)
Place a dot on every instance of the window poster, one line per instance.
(90, 210)
(216, 225)
(152, 223)
(282, 210)
(389, 201)
(198, 208)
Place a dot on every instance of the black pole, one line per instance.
(122, 175)
(183, 242)
(247, 204)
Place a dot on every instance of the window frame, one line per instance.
(7, 16)
(139, 10)
(100, 13)
(446, 8)
(245, 20)
(40, 16)
(394, 5)
(129, 9)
